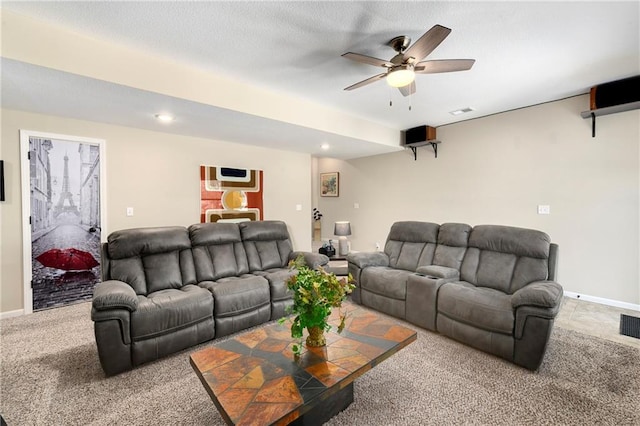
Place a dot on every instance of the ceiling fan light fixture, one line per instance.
(401, 77)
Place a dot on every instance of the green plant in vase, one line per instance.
(315, 293)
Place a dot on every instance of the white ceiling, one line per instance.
(526, 53)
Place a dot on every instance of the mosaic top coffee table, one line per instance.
(254, 379)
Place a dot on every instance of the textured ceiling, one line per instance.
(526, 53)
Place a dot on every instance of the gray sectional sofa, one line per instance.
(166, 289)
(491, 287)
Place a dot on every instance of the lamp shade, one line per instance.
(342, 229)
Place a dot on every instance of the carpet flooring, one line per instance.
(50, 374)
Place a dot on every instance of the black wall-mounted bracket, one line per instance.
(434, 145)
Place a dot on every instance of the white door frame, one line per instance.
(27, 300)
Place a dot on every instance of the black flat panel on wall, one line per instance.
(1, 180)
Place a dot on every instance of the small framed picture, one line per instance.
(329, 184)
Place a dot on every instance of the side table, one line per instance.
(337, 265)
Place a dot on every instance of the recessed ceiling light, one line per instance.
(461, 111)
(165, 118)
(325, 146)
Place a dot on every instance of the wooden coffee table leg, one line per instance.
(322, 412)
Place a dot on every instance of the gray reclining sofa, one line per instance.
(491, 287)
(166, 289)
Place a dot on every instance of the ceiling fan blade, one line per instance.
(445, 65)
(427, 43)
(409, 89)
(367, 81)
(367, 60)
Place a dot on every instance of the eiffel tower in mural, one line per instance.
(65, 195)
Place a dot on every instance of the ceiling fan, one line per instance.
(401, 69)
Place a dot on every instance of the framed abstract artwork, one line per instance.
(230, 194)
(329, 184)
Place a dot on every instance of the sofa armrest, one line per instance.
(312, 260)
(114, 294)
(542, 294)
(436, 271)
(364, 259)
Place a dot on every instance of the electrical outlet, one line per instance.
(378, 246)
(129, 211)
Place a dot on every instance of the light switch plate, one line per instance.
(544, 209)
(129, 211)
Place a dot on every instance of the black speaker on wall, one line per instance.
(616, 93)
(1, 180)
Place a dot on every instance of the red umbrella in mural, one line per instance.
(68, 259)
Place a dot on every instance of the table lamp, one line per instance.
(342, 229)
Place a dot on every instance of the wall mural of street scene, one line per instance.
(65, 220)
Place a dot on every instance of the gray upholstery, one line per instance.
(453, 239)
(241, 300)
(480, 307)
(436, 271)
(151, 259)
(506, 258)
(492, 287)
(166, 289)
(267, 244)
(269, 251)
(218, 251)
(165, 311)
(411, 244)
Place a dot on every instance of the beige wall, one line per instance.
(155, 173)
(496, 170)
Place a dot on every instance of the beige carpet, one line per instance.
(50, 374)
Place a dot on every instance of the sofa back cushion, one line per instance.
(266, 243)
(505, 258)
(218, 251)
(453, 239)
(151, 259)
(411, 244)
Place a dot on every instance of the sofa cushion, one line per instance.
(480, 307)
(385, 281)
(167, 311)
(266, 243)
(238, 295)
(151, 259)
(277, 278)
(505, 258)
(411, 244)
(143, 241)
(509, 239)
(453, 239)
(218, 251)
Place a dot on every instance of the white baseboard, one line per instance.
(11, 314)
(602, 301)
